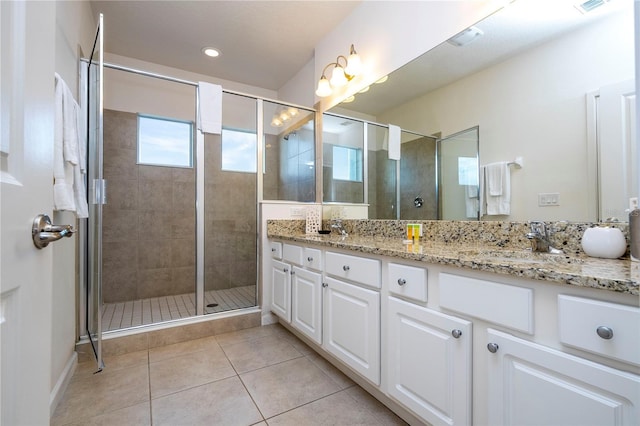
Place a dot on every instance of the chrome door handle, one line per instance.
(44, 232)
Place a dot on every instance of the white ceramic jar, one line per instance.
(605, 242)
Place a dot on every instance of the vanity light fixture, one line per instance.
(342, 73)
(349, 99)
(283, 115)
(382, 80)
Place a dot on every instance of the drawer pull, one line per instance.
(456, 333)
(345, 268)
(604, 332)
(492, 347)
(402, 281)
(310, 259)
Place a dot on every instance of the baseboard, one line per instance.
(63, 381)
(269, 318)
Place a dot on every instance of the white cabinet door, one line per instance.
(429, 363)
(281, 289)
(306, 303)
(530, 384)
(351, 327)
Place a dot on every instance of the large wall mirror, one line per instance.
(534, 84)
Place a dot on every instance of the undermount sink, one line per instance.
(518, 256)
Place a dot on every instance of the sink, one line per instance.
(518, 256)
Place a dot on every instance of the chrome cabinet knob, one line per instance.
(273, 249)
(293, 272)
(345, 268)
(492, 347)
(402, 281)
(325, 285)
(285, 270)
(604, 332)
(456, 333)
(310, 259)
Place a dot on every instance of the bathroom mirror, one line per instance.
(526, 83)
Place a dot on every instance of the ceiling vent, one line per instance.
(590, 5)
(466, 36)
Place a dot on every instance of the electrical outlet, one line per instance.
(549, 199)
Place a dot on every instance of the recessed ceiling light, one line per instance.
(210, 51)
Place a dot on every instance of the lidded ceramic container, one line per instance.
(605, 242)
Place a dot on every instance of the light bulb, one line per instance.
(349, 99)
(354, 65)
(338, 79)
(324, 88)
(284, 116)
(276, 122)
(383, 79)
(293, 111)
(365, 90)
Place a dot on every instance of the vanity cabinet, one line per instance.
(351, 326)
(306, 303)
(281, 289)
(536, 385)
(429, 362)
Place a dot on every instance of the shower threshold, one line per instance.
(121, 315)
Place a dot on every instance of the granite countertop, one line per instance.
(619, 275)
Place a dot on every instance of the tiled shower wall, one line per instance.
(148, 221)
(418, 179)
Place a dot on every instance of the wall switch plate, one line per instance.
(297, 212)
(549, 199)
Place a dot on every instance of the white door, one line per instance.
(429, 363)
(530, 384)
(281, 290)
(306, 303)
(617, 146)
(351, 327)
(26, 185)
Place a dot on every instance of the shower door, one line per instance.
(93, 73)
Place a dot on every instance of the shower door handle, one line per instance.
(44, 232)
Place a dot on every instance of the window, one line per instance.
(165, 141)
(468, 171)
(347, 163)
(239, 151)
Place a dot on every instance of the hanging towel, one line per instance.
(68, 157)
(210, 108)
(394, 142)
(471, 201)
(497, 188)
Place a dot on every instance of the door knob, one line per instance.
(44, 232)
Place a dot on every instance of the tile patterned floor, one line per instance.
(116, 316)
(258, 376)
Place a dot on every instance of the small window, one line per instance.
(239, 151)
(165, 141)
(468, 171)
(347, 163)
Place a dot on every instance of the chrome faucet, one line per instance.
(337, 224)
(539, 237)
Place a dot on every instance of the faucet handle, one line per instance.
(539, 227)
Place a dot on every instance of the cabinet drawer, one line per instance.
(276, 250)
(408, 281)
(293, 254)
(604, 328)
(358, 269)
(312, 258)
(501, 304)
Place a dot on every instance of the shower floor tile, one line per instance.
(116, 316)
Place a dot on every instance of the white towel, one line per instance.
(210, 108)
(68, 186)
(394, 142)
(471, 201)
(496, 193)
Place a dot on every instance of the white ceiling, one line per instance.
(263, 43)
